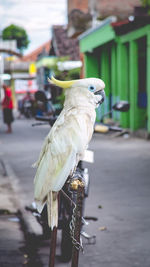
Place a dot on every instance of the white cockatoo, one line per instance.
(67, 140)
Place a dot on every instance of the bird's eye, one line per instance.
(92, 88)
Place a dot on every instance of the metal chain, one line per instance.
(77, 245)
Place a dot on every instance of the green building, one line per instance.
(119, 53)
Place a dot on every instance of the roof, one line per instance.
(78, 22)
(91, 39)
(128, 26)
(62, 45)
(9, 51)
(108, 30)
(102, 24)
(34, 54)
(122, 9)
(83, 14)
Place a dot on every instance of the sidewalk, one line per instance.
(18, 241)
(20, 234)
(11, 236)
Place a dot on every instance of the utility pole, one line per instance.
(1, 65)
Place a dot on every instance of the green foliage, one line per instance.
(61, 98)
(65, 75)
(68, 75)
(74, 74)
(145, 3)
(14, 32)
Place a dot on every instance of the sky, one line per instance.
(35, 16)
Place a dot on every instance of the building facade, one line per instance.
(119, 53)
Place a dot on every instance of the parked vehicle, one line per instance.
(121, 106)
(26, 105)
(28, 109)
(43, 104)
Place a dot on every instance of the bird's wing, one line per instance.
(57, 160)
(63, 148)
(53, 171)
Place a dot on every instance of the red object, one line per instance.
(120, 23)
(7, 101)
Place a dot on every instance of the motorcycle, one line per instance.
(43, 104)
(121, 106)
(27, 109)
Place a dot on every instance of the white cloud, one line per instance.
(35, 16)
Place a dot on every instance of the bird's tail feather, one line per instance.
(52, 209)
(39, 205)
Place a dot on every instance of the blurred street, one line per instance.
(119, 198)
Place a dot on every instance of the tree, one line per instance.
(14, 32)
(146, 6)
(146, 3)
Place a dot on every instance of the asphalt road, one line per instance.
(119, 193)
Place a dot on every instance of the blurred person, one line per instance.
(28, 105)
(7, 107)
(28, 97)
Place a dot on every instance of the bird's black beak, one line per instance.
(102, 94)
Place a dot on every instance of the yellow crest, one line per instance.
(63, 84)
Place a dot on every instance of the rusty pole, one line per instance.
(78, 223)
(53, 247)
(53, 244)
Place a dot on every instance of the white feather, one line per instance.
(65, 144)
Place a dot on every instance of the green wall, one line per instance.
(136, 114)
(122, 81)
(91, 65)
(91, 69)
(116, 62)
(148, 82)
(93, 40)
